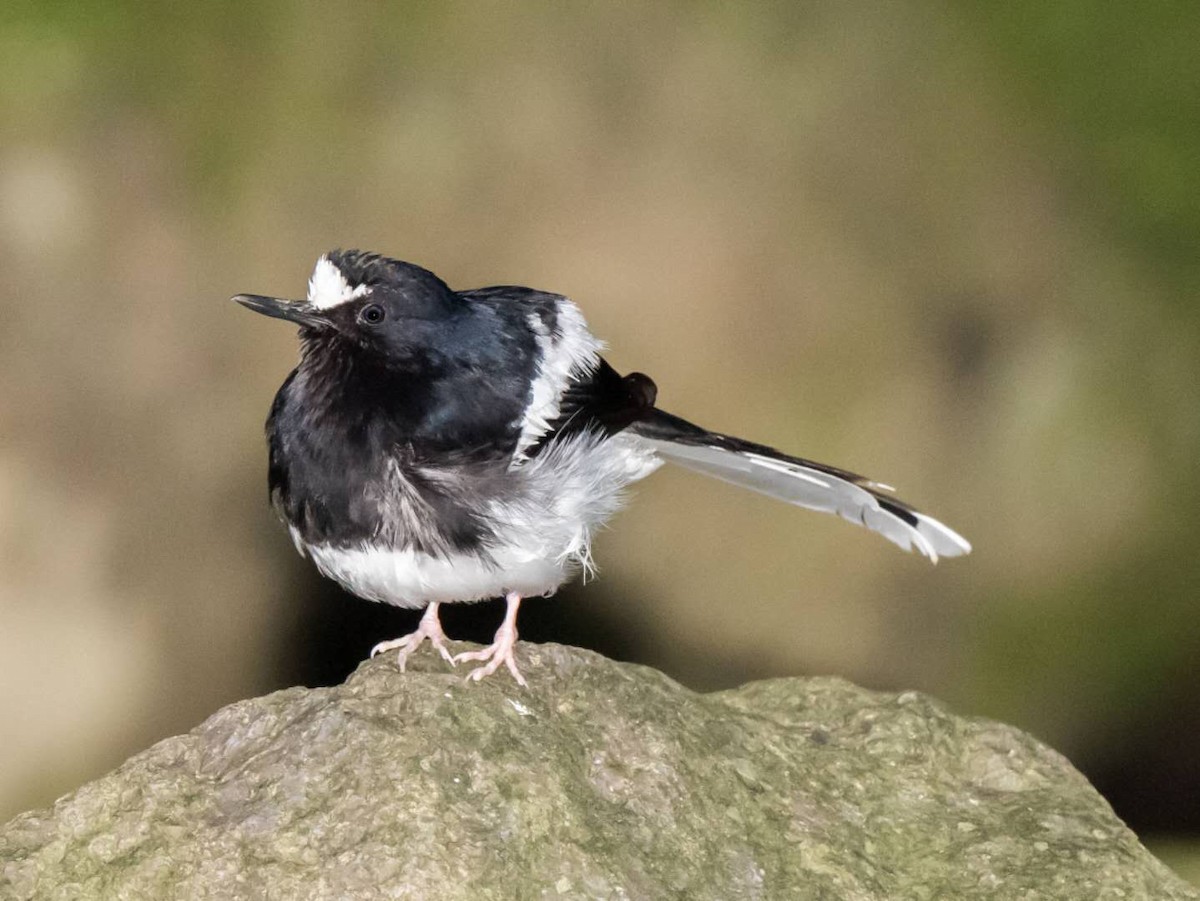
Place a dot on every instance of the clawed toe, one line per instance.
(429, 628)
(385, 646)
(440, 645)
(485, 654)
(500, 651)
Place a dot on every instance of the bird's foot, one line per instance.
(430, 627)
(500, 651)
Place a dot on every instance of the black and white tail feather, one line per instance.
(588, 394)
(804, 483)
(439, 446)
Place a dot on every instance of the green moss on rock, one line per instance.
(602, 780)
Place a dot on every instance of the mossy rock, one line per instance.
(601, 780)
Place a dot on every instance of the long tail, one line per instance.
(801, 482)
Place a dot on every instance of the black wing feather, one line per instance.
(603, 401)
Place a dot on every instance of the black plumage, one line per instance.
(435, 445)
(602, 401)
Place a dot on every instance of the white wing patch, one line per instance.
(327, 287)
(571, 353)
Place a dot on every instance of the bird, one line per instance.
(436, 446)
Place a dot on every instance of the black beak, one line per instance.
(299, 311)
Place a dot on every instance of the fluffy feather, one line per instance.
(542, 526)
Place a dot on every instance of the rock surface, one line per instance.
(601, 780)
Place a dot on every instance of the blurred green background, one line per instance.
(951, 246)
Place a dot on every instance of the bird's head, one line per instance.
(388, 309)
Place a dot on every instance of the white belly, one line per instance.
(410, 578)
(544, 525)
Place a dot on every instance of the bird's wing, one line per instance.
(600, 400)
(797, 481)
(563, 352)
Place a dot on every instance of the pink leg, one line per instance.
(429, 628)
(500, 651)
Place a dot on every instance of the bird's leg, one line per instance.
(429, 628)
(500, 651)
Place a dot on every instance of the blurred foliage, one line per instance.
(1116, 90)
(1118, 83)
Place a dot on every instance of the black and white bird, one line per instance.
(438, 446)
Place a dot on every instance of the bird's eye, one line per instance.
(372, 314)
